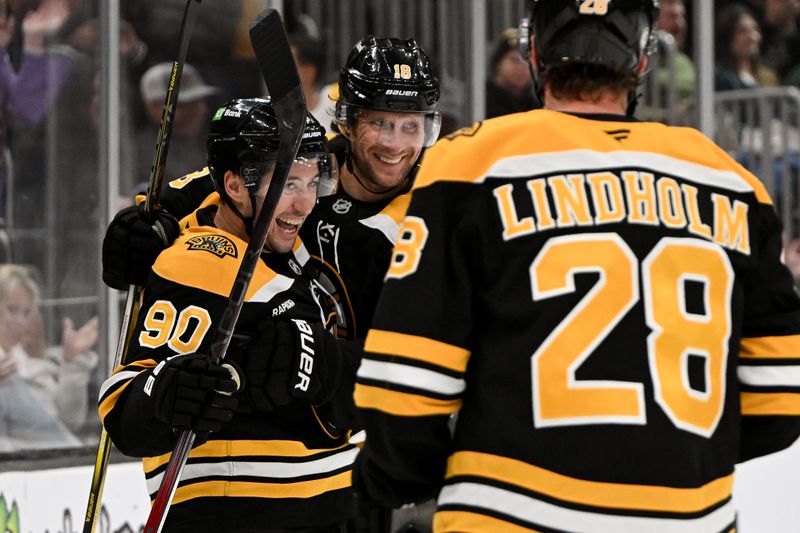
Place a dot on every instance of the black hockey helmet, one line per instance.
(613, 33)
(389, 74)
(244, 138)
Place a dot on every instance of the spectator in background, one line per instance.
(781, 46)
(57, 375)
(509, 88)
(28, 89)
(190, 127)
(738, 51)
(781, 49)
(220, 47)
(310, 58)
(25, 421)
(45, 148)
(672, 19)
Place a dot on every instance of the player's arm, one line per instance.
(169, 385)
(133, 239)
(411, 379)
(769, 358)
(340, 410)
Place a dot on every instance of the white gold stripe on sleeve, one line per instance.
(410, 376)
(276, 285)
(383, 223)
(116, 378)
(265, 469)
(525, 166)
(548, 515)
(770, 376)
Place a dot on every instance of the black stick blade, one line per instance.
(274, 54)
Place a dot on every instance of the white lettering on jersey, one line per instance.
(282, 308)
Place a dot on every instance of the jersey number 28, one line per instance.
(559, 399)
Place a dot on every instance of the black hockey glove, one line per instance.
(317, 365)
(190, 392)
(132, 243)
(266, 359)
(291, 359)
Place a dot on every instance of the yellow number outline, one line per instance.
(402, 71)
(561, 400)
(411, 239)
(164, 325)
(594, 7)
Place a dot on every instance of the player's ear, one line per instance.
(234, 186)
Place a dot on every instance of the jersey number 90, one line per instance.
(182, 332)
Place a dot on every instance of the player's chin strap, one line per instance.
(247, 221)
(633, 101)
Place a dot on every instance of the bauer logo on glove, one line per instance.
(306, 355)
(317, 362)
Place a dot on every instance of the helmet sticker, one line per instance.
(594, 7)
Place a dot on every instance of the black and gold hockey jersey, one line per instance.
(350, 244)
(603, 303)
(282, 468)
(349, 241)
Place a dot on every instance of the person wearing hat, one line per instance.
(508, 88)
(189, 130)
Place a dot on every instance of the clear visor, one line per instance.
(312, 175)
(407, 130)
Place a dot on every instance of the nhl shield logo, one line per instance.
(342, 206)
(216, 244)
(295, 267)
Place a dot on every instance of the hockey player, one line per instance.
(387, 113)
(273, 456)
(602, 300)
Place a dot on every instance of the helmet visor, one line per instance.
(407, 129)
(312, 174)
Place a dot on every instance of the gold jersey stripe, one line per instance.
(466, 159)
(190, 220)
(593, 493)
(770, 403)
(213, 272)
(417, 348)
(253, 489)
(243, 448)
(396, 210)
(110, 401)
(778, 347)
(402, 403)
(459, 521)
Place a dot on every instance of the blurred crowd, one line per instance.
(51, 127)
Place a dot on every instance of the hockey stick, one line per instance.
(134, 292)
(279, 71)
